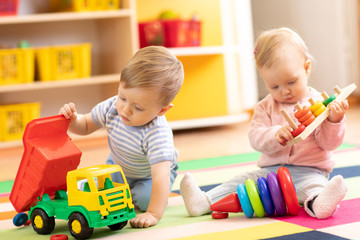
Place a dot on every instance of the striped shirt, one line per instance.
(135, 149)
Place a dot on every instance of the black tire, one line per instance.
(79, 221)
(118, 226)
(41, 222)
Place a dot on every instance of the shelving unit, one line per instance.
(114, 39)
(220, 77)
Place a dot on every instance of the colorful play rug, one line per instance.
(176, 224)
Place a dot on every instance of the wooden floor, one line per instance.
(192, 144)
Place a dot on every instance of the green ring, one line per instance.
(329, 100)
(254, 198)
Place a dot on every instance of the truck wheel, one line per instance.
(79, 226)
(118, 226)
(41, 222)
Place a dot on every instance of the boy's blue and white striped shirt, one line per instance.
(135, 149)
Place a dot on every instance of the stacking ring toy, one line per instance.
(305, 116)
(288, 189)
(276, 194)
(329, 100)
(254, 198)
(244, 200)
(317, 108)
(265, 196)
(298, 130)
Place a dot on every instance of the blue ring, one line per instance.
(244, 201)
(265, 196)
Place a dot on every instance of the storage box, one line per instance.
(63, 62)
(8, 7)
(16, 65)
(170, 33)
(83, 5)
(14, 117)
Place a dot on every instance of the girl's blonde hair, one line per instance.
(271, 44)
(154, 67)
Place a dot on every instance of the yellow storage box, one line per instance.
(14, 117)
(16, 65)
(64, 62)
(84, 5)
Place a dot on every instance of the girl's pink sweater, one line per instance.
(314, 151)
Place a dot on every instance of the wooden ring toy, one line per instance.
(329, 100)
(265, 196)
(301, 113)
(288, 189)
(244, 200)
(254, 198)
(276, 194)
(317, 108)
(298, 130)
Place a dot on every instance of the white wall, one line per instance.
(329, 28)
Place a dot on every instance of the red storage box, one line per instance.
(8, 7)
(170, 33)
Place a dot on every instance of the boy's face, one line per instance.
(287, 80)
(138, 106)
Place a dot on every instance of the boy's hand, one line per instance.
(284, 134)
(144, 220)
(337, 110)
(69, 111)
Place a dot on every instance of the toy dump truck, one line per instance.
(47, 184)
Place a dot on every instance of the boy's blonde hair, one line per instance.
(154, 67)
(274, 43)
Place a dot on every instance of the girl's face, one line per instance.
(139, 106)
(287, 79)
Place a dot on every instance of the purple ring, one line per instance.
(276, 194)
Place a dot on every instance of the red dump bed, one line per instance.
(48, 155)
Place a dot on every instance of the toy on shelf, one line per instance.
(318, 112)
(276, 193)
(47, 180)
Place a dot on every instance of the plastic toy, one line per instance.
(321, 111)
(20, 219)
(304, 115)
(59, 237)
(274, 194)
(48, 169)
(297, 129)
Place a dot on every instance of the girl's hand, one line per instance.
(144, 220)
(69, 111)
(284, 134)
(337, 110)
